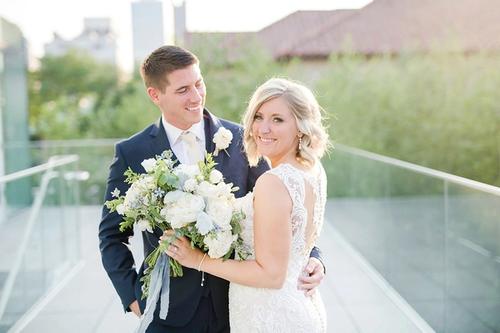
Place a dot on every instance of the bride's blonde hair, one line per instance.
(306, 111)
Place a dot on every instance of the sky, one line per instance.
(39, 19)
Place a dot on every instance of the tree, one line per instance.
(64, 91)
(123, 112)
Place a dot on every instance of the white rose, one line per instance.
(184, 210)
(215, 176)
(204, 223)
(145, 200)
(207, 190)
(138, 195)
(190, 185)
(144, 225)
(149, 164)
(120, 209)
(172, 197)
(132, 197)
(147, 183)
(219, 244)
(221, 212)
(185, 172)
(245, 204)
(222, 139)
(224, 190)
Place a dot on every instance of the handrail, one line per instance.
(63, 143)
(54, 161)
(421, 169)
(355, 151)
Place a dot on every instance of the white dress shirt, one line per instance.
(179, 146)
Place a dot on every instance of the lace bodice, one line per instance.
(256, 309)
(295, 182)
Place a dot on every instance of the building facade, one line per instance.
(97, 39)
(147, 28)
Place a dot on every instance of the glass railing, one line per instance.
(40, 238)
(95, 156)
(434, 237)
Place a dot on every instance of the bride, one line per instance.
(283, 124)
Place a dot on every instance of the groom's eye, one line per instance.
(182, 90)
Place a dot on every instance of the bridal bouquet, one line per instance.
(193, 200)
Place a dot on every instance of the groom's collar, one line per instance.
(211, 122)
(173, 133)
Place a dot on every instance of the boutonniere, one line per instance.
(222, 139)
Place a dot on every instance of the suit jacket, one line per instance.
(185, 292)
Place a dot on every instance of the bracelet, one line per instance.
(199, 269)
(201, 262)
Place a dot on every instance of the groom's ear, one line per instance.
(153, 94)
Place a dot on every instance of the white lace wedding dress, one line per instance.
(286, 309)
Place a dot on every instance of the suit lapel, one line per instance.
(212, 125)
(159, 141)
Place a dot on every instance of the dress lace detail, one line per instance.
(286, 309)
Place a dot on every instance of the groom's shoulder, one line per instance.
(138, 139)
(235, 128)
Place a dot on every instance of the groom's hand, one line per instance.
(134, 307)
(311, 276)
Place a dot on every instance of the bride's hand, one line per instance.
(180, 249)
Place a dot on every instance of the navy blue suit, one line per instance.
(186, 293)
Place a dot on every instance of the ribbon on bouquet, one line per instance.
(159, 287)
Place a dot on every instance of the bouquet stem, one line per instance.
(175, 268)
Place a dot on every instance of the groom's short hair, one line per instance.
(163, 61)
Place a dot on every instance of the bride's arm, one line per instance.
(272, 238)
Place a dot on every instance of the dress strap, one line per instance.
(293, 180)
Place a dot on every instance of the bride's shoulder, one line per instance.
(269, 180)
(283, 169)
(270, 185)
(287, 172)
(271, 194)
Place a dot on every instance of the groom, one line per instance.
(174, 83)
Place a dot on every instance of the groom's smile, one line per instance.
(194, 109)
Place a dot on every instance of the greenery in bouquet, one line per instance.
(193, 200)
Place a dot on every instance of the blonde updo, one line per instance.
(304, 107)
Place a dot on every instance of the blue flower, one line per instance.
(158, 193)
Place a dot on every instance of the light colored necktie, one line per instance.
(192, 148)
